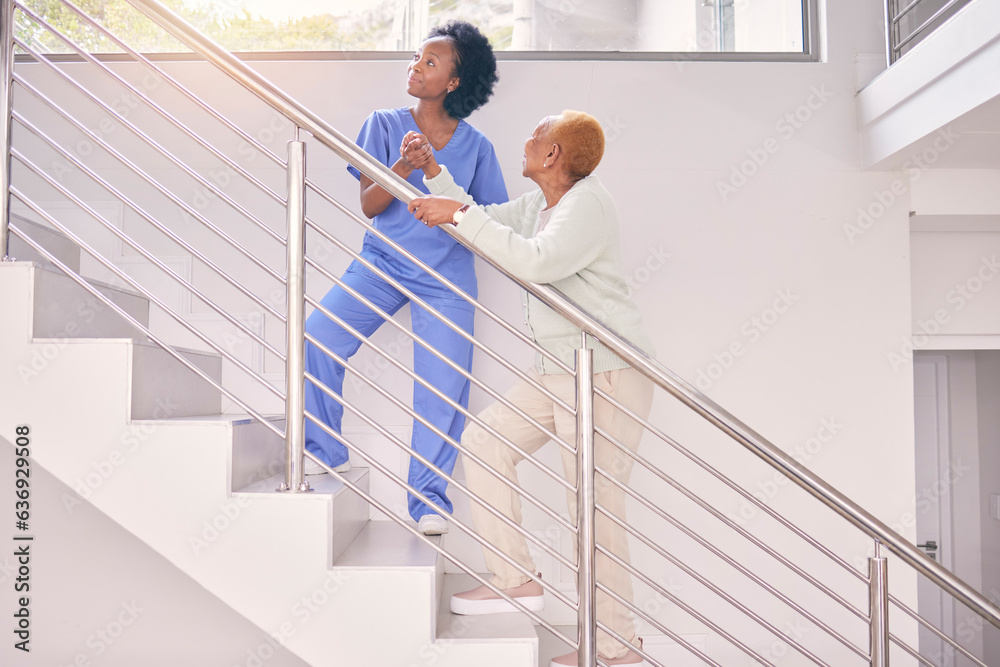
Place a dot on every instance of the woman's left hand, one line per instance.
(433, 210)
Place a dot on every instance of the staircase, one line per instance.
(140, 438)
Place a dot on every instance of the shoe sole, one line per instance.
(435, 531)
(464, 607)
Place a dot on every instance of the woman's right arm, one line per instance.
(374, 198)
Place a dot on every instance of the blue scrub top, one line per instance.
(471, 160)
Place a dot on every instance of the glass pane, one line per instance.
(399, 25)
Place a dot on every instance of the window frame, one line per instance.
(810, 52)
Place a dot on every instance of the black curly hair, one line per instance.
(475, 66)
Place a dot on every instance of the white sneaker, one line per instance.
(313, 468)
(432, 524)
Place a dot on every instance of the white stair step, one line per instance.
(64, 249)
(385, 544)
(163, 387)
(64, 309)
(258, 452)
(348, 512)
(513, 627)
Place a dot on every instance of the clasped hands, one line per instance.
(431, 210)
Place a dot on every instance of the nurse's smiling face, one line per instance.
(431, 73)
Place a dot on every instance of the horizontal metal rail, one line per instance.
(658, 626)
(143, 174)
(698, 461)
(690, 495)
(923, 26)
(138, 248)
(909, 650)
(906, 609)
(204, 182)
(184, 90)
(744, 609)
(140, 327)
(552, 514)
(126, 279)
(122, 276)
(732, 562)
(683, 606)
(438, 393)
(142, 213)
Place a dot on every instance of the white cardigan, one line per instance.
(578, 252)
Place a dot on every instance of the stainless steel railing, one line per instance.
(873, 615)
(908, 22)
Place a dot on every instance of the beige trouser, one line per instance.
(628, 387)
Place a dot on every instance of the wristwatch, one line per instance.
(459, 214)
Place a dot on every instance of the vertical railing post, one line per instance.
(6, 102)
(890, 14)
(586, 499)
(295, 351)
(878, 605)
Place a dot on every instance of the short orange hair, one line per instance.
(581, 139)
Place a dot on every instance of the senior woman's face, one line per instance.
(536, 148)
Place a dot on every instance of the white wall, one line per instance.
(785, 291)
(988, 385)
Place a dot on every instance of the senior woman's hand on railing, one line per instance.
(434, 210)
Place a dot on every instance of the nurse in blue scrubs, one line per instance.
(451, 75)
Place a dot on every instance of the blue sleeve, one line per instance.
(374, 140)
(487, 186)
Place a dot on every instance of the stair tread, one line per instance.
(491, 627)
(321, 485)
(118, 339)
(122, 289)
(234, 419)
(387, 544)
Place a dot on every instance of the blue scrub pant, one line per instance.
(448, 381)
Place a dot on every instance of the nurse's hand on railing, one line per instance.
(433, 210)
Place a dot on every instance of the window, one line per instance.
(602, 28)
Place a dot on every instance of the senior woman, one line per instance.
(566, 234)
